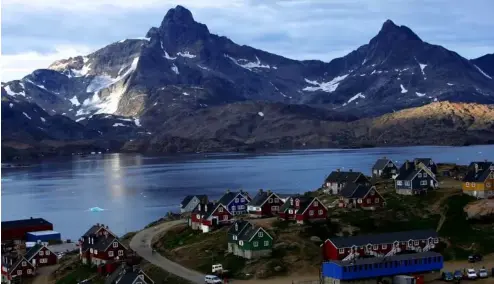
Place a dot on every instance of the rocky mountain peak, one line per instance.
(179, 28)
(391, 32)
(180, 15)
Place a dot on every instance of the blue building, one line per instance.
(340, 272)
(235, 202)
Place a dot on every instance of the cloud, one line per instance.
(299, 29)
(16, 66)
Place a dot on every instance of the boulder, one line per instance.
(480, 209)
(315, 239)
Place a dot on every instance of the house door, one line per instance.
(432, 183)
(215, 221)
(34, 262)
(275, 209)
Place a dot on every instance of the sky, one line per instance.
(37, 32)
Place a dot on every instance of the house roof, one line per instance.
(413, 169)
(260, 197)
(230, 196)
(101, 243)
(339, 176)
(398, 257)
(353, 190)
(33, 251)
(206, 209)
(386, 238)
(24, 223)
(127, 275)
(249, 232)
(425, 161)
(479, 176)
(381, 163)
(241, 225)
(95, 228)
(188, 198)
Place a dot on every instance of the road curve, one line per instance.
(141, 244)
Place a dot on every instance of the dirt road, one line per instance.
(141, 244)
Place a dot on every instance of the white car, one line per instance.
(471, 274)
(483, 273)
(212, 279)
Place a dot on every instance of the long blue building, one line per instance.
(339, 272)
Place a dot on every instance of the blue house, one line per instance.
(235, 202)
(337, 271)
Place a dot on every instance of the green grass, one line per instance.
(80, 273)
(179, 237)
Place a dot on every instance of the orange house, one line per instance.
(479, 180)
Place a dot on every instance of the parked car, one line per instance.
(458, 275)
(212, 279)
(474, 258)
(471, 274)
(447, 276)
(483, 273)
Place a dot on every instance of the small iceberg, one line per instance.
(6, 179)
(96, 209)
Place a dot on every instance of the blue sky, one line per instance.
(37, 32)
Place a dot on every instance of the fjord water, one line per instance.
(135, 190)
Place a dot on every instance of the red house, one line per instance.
(14, 269)
(99, 245)
(265, 204)
(303, 209)
(40, 255)
(206, 217)
(382, 245)
(17, 229)
(360, 196)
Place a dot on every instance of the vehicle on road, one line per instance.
(447, 276)
(474, 258)
(471, 274)
(458, 275)
(212, 279)
(483, 273)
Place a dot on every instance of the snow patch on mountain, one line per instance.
(403, 90)
(104, 81)
(482, 72)
(25, 114)
(137, 38)
(328, 87)
(79, 119)
(42, 119)
(37, 85)
(118, 124)
(244, 63)
(137, 122)
(261, 114)
(75, 101)
(422, 67)
(186, 94)
(12, 93)
(11, 105)
(186, 54)
(450, 84)
(357, 96)
(175, 69)
(420, 94)
(203, 67)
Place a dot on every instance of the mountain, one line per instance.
(177, 82)
(485, 64)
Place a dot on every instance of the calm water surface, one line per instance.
(135, 190)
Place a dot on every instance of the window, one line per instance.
(234, 237)
(473, 184)
(419, 175)
(260, 234)
(120, 252)
(29, 271)
(393, 171)
(384, 246)
(375, 247)
(311, 212)
(115, 245)
(369, 201)
(198, 216)
(235, 208)
(19, 272)
(276, 200)
(91, 250)
(341, 251)
(241, 243)
(468, 184)
(255, 244)
(47, 252)
(359, 201)
(436, 240)
(407, 183)
(236, 200)
(423, 182)
(41, 253)
(416, 243)
(316, 203)
(24, 263)
(110, 253)
(399, 182)
(242, 199)
(376, 200)
(291, 202)
(266, 243)
(424, 175)
(220, 209)
(297, 203)
(488, 184)
(320, 212)
(290, 211)
(225, 217)
(95, 251)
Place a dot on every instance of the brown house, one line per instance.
(479, 180)
(303, 209)
(14, 269)
(99, 245)
(40, 255)
(360, 196)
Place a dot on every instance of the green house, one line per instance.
(249, 241)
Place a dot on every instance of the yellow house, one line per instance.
(479, 180)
